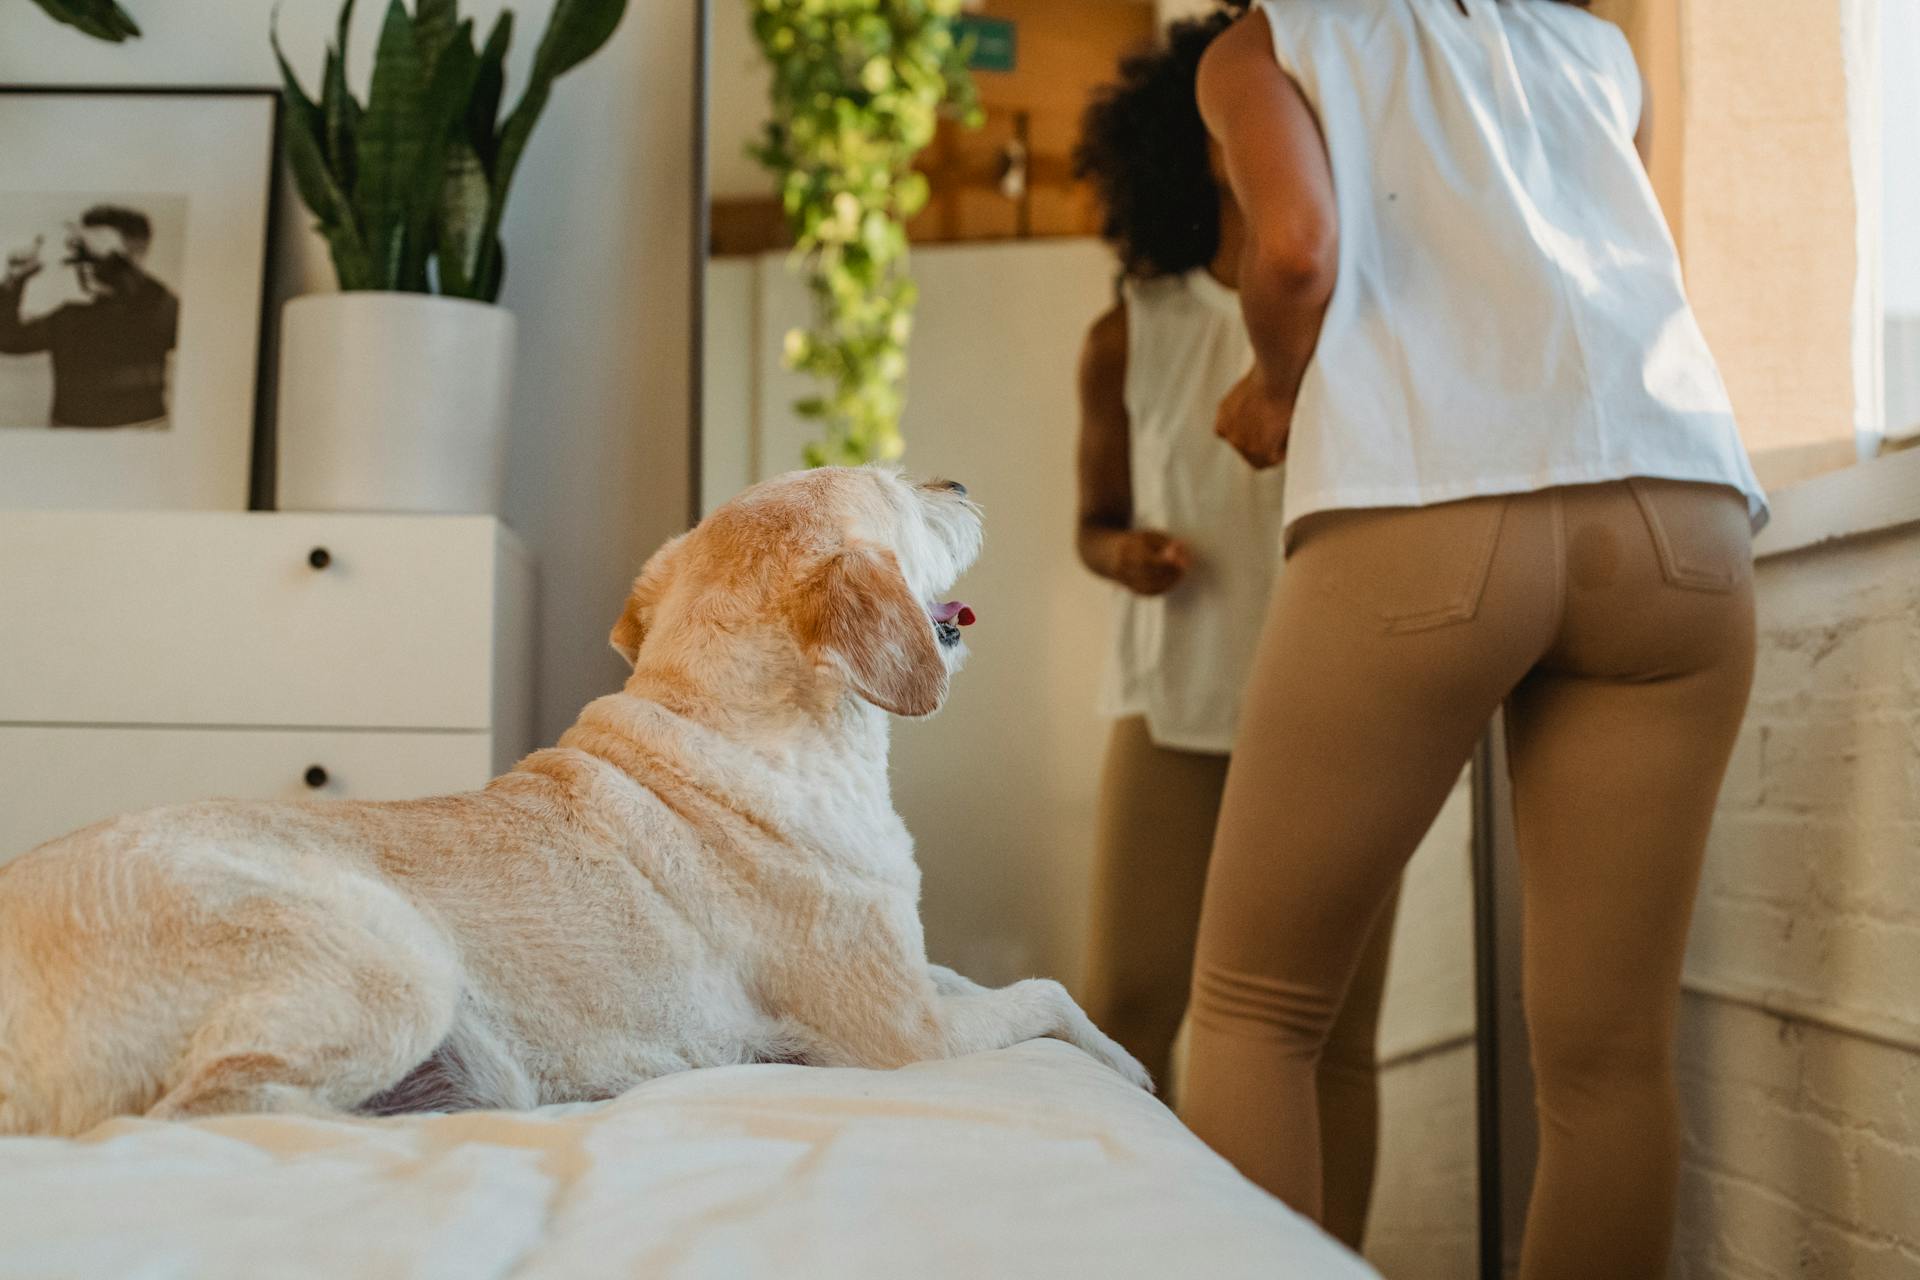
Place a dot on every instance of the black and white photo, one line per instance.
(89, 309)
(133, 264)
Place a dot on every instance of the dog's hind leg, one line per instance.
(337, 1019)
(303, 1050)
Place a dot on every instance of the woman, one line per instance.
(1513, 479)
(1177, 519)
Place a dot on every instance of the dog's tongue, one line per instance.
(953, 611)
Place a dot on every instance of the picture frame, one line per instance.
(135, 238)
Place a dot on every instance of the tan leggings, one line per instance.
(1615, 623)
(1158, 808)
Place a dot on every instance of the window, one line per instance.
(1900, 215)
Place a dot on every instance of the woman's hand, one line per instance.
(1147, 562)
(1254, 421)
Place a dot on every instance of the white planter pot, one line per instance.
(393, 402)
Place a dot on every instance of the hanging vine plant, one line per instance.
(858, 89)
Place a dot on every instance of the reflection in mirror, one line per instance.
(1779, 145)
(1055, 835)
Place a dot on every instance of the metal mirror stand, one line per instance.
(1508, 1137)
(700, 192)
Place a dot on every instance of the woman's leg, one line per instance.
(1617, 747)
(1158, 808)
(1349, 1084)
(1157, 811)
(1392, 638)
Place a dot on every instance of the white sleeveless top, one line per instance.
(1509, 313)
(1181, 658)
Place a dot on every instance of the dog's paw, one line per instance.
(1130, 1070)
(1109, 1054)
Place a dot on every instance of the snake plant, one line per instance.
(101, 19)
(409, 187)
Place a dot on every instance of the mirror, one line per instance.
(1004, 789)
(1795, 237)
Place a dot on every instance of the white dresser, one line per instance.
(147, 658)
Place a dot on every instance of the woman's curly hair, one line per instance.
(1143, 147)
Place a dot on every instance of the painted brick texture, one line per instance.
(1800, 1046)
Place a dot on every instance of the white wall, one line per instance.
(598, 247)
(737, 100)
(730, 383)
(999, 788)
(1000, 792)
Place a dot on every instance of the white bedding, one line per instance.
(1033, 1161)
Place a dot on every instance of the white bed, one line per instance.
(1033, 1161)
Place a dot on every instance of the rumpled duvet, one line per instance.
(1033, 1161)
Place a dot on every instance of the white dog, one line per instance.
(707, 869)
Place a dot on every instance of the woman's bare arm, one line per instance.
(1276, 163)
(1142, 560)
(1106, 485)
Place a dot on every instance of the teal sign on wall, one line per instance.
(993, 43)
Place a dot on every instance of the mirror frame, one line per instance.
(700, 234)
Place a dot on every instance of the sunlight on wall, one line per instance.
(1769, 222)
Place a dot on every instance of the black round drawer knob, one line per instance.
(319, 557)
(316, 776)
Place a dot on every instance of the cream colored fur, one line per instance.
(706, 869)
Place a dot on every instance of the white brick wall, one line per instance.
(1800, 1050)
(1802, 1150)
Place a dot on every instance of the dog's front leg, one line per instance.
(949, 983)
(976, 1018)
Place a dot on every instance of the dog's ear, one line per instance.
(860, 608)
(630, 632)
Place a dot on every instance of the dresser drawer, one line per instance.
(190, 618)
(56, 779)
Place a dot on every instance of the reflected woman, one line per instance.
(1176, 518)
(1513, 481)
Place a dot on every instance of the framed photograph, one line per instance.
(133, 259)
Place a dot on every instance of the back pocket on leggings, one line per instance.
(1700, 532)
(1406, 568)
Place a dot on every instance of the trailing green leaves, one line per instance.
(858, 88)
(409, 188)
